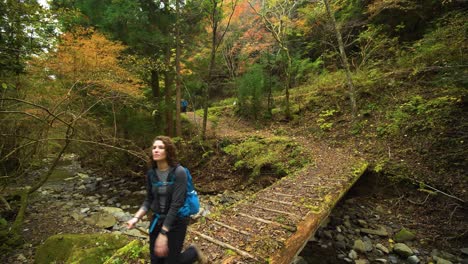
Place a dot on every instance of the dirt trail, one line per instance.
(227, 127)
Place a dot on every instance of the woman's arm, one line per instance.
(146, 203)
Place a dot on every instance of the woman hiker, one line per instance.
(168, 233)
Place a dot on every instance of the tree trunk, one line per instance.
(288, 83)
(157, 113)
(178, 77)
(214, 27)
(168, 94)
(155, 85)
(344, 59)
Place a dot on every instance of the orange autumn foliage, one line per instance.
(87, 57)
(254, 38)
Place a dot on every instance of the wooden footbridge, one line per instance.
(275, 224)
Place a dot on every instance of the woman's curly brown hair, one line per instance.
(171, 152)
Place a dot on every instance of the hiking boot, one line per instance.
(201, 257)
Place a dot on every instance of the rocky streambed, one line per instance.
(359, 230)
(363, 229)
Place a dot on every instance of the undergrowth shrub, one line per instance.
(443, 48)
(252, 93)
(418, 115)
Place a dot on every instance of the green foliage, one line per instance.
(252, 92)
(444, 46)
(278, 154)
(301, 69)
(22, 34)
(419, 115)
(324, 120)
(375, 48)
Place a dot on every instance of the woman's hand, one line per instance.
(132, 222)
(160, 247)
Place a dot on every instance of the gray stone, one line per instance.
(352, 254)
(21, 257)
(111, 210)
(413, 260)
(444, 255)
(368, 244)
(393, 259)
(82, 175)
(91, 187)
(382, 248)
(362, 223)
(361, 261)
(443, 261)
(404, 235)
(464, 251)
(359, 246)
(134, 233)
(381, 260)
(102, 220)
(77, 216)
(379, 232)
(340, 237)
(402, 250)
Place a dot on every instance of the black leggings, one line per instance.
(175, 243)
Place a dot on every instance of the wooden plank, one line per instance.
(284, 194)
(290, 228)
(277, 201)
(225, 245)
(230, 227)
(276, 211)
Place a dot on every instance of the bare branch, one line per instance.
(36, 105)
(23, 113)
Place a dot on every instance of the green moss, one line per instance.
(79, 248)
(133, 252)
(359, 169)
(280, 155)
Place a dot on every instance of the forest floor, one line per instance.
(438, 220)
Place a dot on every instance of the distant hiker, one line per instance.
(167, 229)
(184, 105)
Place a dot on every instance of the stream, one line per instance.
(359, 230)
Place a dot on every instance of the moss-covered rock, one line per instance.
(133, 252)
(79, 248)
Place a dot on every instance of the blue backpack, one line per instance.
(192, 204)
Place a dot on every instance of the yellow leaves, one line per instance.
(88, 57)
